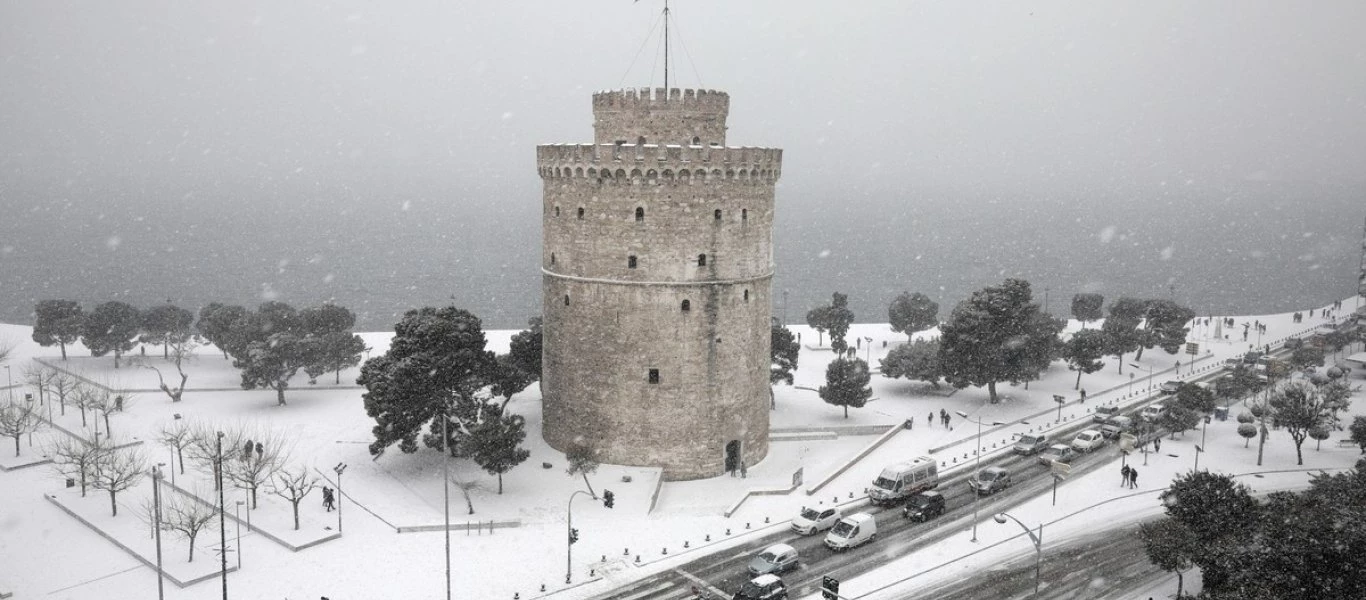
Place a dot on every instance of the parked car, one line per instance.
(1088, 441)
(1153, 412)
(852, 531)
(1294, 343)
(778, 558)
(1170, 387)
(1031, 443)
(1115, 426)
(1104, 412)
(1057, 452)
(763, 587)
(1233, 363)
(924, 506)
(990, 480)
(814, 520)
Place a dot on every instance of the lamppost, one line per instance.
(1038, 544)
(784, 307)
(1130, 390)
(156, 527)
(1045, 302)
(977, 467)
(9, 384)
(868, 356)
(237, 511)
(338, 470)
(1150, 374)
(572, 535)
(222, 527)
(446, 493)
(1201, 448)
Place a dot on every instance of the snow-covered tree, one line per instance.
(187, 516)
(1299, 408)
(911, 313)
(1086, 307)
(293, 484)
(111, 327)
(116, 470)
(495, 445)
(58, 322)
(582, 461)
(917, 361)
(1083, 353)
(846, 384)
(16, 419)
(997, 335)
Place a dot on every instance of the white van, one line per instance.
(851, 532)
(903, 480)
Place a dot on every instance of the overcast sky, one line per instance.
(1024, 95)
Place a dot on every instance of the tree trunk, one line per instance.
(338, 381)
(590, 486)
(82, 482)
(846, 411)
(991, 388)
(166, 351)
(296, 513)
(112, 504)
(500, 484)
(16, 444)
(63, 345)
(117, 355)
(1180, 583)
(107, 430)
(1078, 385)
(1261, 445)
(1299, 455)
(181, 453)
(83, 423)
(280, 392)
(191, 536)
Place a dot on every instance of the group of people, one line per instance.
(1129, 476)
(329, 499)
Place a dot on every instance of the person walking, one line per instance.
(1133, 477)
(946, 419)
(1124, 475)
(930, 419)
(1157, 444)
(1083, 395)
(328, 501)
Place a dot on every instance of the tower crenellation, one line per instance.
(651, 116)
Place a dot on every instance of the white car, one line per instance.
(815, 520)
(1088, 441)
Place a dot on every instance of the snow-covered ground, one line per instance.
(44, 552)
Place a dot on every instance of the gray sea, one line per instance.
(1260, 248)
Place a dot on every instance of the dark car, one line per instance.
(924, 506)
(990, 480)
(1170, 387)
(763, 587)
(1104, 412)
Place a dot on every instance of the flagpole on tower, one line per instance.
(666, 48)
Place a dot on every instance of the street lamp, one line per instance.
(1150, 374)
(977, 467)
(156, 520)
(572, 535)
(338, 470)
(1038, 544)
(1130, 390)
(868, 356)
(1201, 448)
(222, 527)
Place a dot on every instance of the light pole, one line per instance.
(1038, 544)
(1045, 302)
(1150, 374)
(156, 519)
(977, 467)
(237, 511)
(222, 527)
(1130, 391)
(446, 493)
(571, 536)
(338, 470)
(868, 356)
(9, 384)
(1201, 448)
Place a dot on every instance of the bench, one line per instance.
(1347, 443)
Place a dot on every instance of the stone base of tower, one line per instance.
(681, 457)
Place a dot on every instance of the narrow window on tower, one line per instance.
(630, 262)
(566, 299)
(580, 213)
(744, 214)
(716, 214)
(696, 140)
(557, 211)
(640, 214)
(640, 141)
(687, 305)
(654, 376)
(701, 260)
(746, 295)
(552, 258)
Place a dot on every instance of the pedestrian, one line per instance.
(1157, 444)
(1133, 477)
(946, 419)
(930, 419)
(1083, 395)
(328, 500)
(1124, 475)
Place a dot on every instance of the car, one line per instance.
(778, 558)
(1233, 363)
(852, 531)
(1057, 453)
(1115, 426)
(1031, 443)
(989, 480)
(816, 520)
(1153, 412)
(1294, 343)
(763, 587)
(923, 506)
(1104, 412)
(1170, 387)
(1088, 441)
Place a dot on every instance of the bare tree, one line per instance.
(204, 448)
(117, 470)
(293, 485)
(16, 419)
(40, 379)
(465, 488)
(63, 385)
(84, 396)
(262, 454)
(75, 458)
(104, 403)
(180, 350)
(178, 436)
(187, 516)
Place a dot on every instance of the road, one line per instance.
(1113, 560)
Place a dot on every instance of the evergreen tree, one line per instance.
(111, 327)
(917, 361)
(325, 319)
(582, 461)
(496, 445)
(525, 349)
(1170, 546)
(1083, 353)
(165, 325)
(910, 313)
(332, 351)
(839, 320)
(1196, 398)
(1121, 328)
(1358, 432)
(1164, 326)
(436, 365)
(1299, 408)
(783, 353)
(58, 322)
(1087, 308)
(819, 319)
(216, 321)
(997, 335)
(508, 378)
(272, 362)
(846, 384)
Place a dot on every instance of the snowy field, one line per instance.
(56, 544)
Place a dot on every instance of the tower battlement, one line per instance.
(645, 115)
(604, 160)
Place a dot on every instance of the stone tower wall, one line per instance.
(625, 228)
